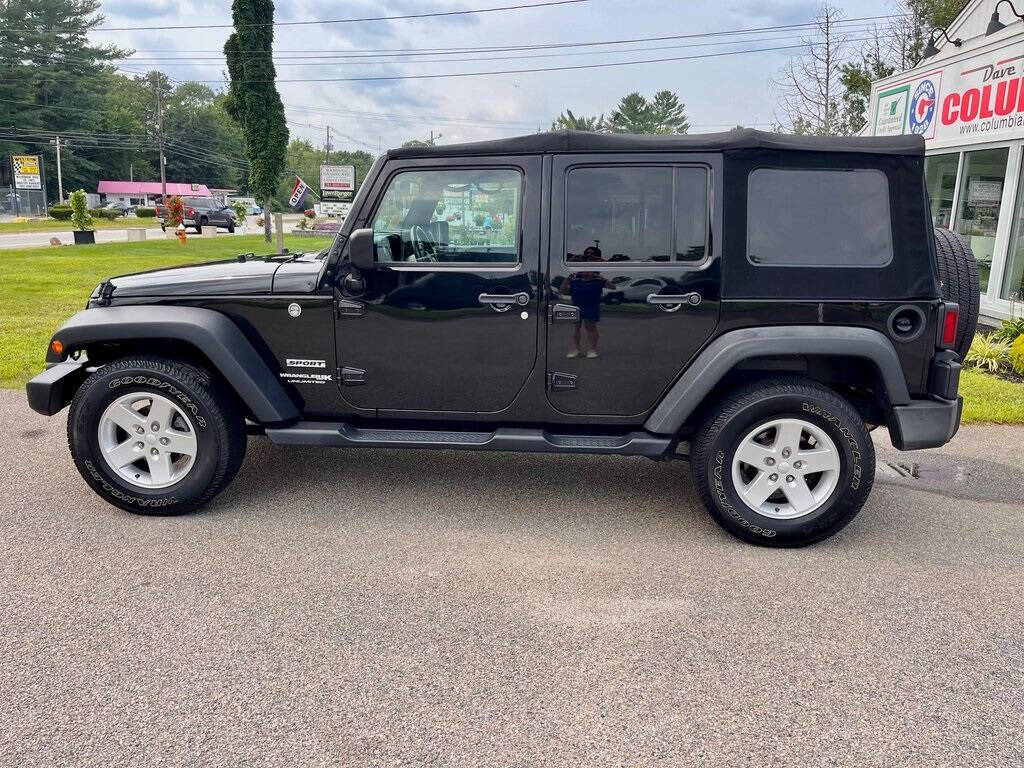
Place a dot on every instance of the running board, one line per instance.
(503, 439)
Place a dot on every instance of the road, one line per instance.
(26, 239)
(354, 608)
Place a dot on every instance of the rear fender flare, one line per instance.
(214, 334)
(732, 348)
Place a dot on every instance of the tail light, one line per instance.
(192, 212)
(947, 328)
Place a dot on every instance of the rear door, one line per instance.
(448, 321)
(634, 281)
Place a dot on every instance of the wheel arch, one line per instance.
(214, 338)
(737, 356)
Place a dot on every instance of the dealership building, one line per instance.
(967, 101)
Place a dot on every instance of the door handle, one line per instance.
(671, 302)
(503, 302)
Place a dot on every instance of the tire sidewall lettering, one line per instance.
(164, 386)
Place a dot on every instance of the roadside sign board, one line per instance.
(26, 172)
(337, 180)
(333, 209)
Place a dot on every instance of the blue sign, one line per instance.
(922, 108)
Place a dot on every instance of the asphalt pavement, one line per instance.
(379, 607)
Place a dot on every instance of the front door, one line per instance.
(448, 321)
(634, 277)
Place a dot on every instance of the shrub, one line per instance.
(61, 212)
(241, 210)
(1017, 355)
(145, 213)
(175, 211)
(309, 213)
(110, 214)
(80, 218)
(1010, 329)
(986, 352)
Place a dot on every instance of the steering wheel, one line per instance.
(424, 246)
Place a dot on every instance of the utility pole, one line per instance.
(327, 147)
(160, 138)
(60, 179)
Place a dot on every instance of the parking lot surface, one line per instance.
(415, 608)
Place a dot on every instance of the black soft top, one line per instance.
(746, 138)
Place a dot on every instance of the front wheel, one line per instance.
(783, 463)
(155, 436)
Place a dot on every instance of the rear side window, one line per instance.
(636, 214)
(818, 218)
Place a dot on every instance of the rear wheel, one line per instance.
(958, 273)
(783, 462)
(155, 436)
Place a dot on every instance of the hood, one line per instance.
(253, 276)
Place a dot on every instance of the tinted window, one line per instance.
(453, 216)
(822, 218)
(625, 214)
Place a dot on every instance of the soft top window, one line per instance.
(818, 218)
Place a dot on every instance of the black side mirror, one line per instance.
(362, 251)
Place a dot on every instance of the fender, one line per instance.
(731, 348)
(213, 333)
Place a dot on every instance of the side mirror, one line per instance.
(361, 250)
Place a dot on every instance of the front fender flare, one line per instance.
(729, 349)
(214, 334)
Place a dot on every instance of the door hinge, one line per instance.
(352, 377)
(349, 308)
(563, 313)
(559, 382)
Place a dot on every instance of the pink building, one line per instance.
(147, 192)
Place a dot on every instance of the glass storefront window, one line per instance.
(981, 191)
(940, 178)
(1013, 274)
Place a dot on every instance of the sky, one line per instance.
(719, 92)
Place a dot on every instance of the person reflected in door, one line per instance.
(585, 290)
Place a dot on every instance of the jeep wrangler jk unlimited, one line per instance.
(752, 302)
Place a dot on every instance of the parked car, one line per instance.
(202, 212)
(775, 299)
(124, 208)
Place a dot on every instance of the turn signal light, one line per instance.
(949, 322)
(57, 347)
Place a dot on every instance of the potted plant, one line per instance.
(175, 214)
(81, 219)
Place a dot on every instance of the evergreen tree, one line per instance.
(567, 121)
(632, 115)
(669, 114)
(253, 100)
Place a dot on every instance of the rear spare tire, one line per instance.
(958, 273)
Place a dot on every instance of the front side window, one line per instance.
(450, 217)
(636, 214)
(818, 218)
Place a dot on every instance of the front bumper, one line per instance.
(51, 391)
(925, 423)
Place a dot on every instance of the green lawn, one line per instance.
(988, 398)
(53, 225)
(42, 287)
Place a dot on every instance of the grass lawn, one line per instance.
(988, 398)
(54, 225)
(41, 287)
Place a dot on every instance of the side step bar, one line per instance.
(502, 439)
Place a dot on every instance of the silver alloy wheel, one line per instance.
(785, 468)
(147, 440)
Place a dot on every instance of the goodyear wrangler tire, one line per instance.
(783, 462)
(958, 273)
(155, 436)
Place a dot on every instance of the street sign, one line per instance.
(337, 180)
(333, 209)
(26, 172)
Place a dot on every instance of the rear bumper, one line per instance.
(925, 423)
(51, 391)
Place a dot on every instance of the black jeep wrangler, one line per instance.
(752, 302)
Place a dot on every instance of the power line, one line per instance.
(397, 17)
